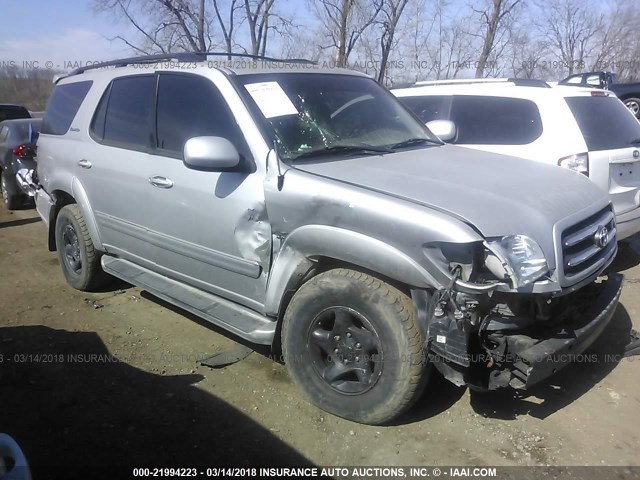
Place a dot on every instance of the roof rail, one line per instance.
(182, 57)
(521, 82)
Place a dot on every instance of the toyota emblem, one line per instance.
(636, 154)
(601, 238)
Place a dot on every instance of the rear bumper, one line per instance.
(537, 359)
(27, 183)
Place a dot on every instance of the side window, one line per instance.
(4, 131)
(594, 80)
(495, 120)
(577, 79)
(63, 106)
(431, 107)
(191, 106)
(129, 112)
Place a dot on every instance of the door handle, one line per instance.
(160, 182)
(84, 163)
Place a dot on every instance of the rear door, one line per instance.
(113, 165)
(612, 135)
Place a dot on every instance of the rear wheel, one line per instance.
(351, 342)
(11, 195)
(633, 104)
(79, 259)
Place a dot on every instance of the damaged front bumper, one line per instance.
(521, 358)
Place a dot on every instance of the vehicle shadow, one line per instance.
(68, 402)
(628, 256)
(439, 396)
(567, 385)
(22, 221)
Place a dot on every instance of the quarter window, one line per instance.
(63, 106)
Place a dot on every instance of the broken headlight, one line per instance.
(524, 258)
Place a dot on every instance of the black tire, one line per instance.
(633, 104)
(79, 259)
(11, 195)
(378, 369)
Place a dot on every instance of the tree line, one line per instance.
(399, 40)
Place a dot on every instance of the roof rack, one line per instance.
(521, 82)
(182, 57)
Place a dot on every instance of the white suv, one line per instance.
(586, 130)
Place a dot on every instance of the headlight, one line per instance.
(523, 255)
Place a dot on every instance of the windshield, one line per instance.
(332, 114)
(605, 122)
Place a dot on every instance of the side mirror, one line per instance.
(445, 130)
(210, 153)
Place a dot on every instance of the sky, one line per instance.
(65, 34)
(57, 33)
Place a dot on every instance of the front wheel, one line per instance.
(633, 104)
(79, 259)
(351, 342)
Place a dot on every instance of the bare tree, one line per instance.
(570, 28)
(390, 16)
(163, 25)
(493, 19)
(258, 13)
(343, 23)
(227, 25)
(182, 25)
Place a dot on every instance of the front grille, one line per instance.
(581, 253)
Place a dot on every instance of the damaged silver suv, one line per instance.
(308, 208)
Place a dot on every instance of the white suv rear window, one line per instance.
(482, 120)
(605, 122)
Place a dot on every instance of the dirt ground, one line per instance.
(113, 378)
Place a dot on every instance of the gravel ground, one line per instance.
(113, 378)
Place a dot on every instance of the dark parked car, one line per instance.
(629, 93)
(17, 151)
(13, 112)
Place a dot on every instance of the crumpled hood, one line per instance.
(499, 195)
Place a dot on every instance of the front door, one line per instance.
(209, 228)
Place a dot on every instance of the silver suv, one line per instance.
(288, 203)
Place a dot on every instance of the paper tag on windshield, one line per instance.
(271, 99)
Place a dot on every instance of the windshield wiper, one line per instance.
(635, 141)
(415, 141)
(344, 149)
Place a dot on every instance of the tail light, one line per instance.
(578, 163)
(24, 151)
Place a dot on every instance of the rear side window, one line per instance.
(190, 106)
(432, 107)
(128, 113)
(605, 122)
(63, 106)
(495, 120)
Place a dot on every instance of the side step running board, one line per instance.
(237, 319)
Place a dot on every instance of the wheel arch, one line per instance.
(312, 249)
(78, 196)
